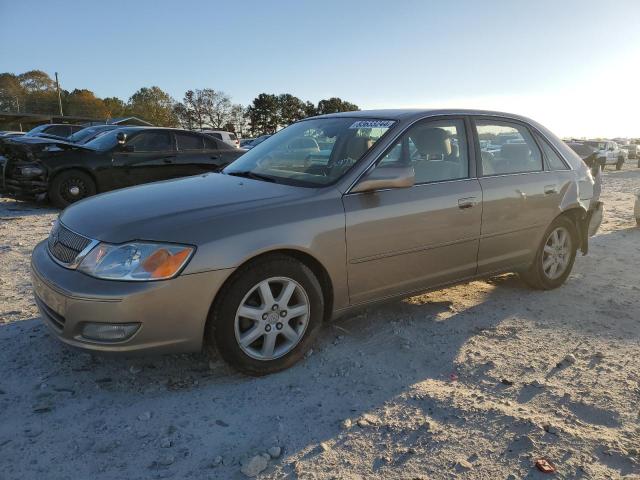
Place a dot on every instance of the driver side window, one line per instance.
(151, 142)
(437, 151)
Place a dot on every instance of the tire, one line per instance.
(537, 276)
(620, 163)
(226, 325)
(69, 186)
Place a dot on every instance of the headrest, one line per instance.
(431, 141)
(303, 143)
(518, 152)
(357, 146)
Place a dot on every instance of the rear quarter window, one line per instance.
(554, 161)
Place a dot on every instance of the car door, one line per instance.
(408, 239)
(148, 156)
(520, 197)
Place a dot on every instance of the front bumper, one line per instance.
(171, 313)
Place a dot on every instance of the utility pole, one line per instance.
(59, 98)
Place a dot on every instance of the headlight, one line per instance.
(31, 171)
(136, 261)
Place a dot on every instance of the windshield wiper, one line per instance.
(252, 175)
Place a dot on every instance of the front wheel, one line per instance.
(555, 256)
(267, 316)
(620, 163)
(69, 186)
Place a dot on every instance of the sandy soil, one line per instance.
(475, 381)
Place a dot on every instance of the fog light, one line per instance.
(109, 332)
(31, 171)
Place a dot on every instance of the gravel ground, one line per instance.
(474, 381)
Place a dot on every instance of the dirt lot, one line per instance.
(475, 381)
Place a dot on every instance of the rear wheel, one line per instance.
(554, 258)
(267, 316)
(620, 163)
(70, 186)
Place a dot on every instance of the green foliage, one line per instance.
(335, 105)
(154, 105)
(35, 92)
(264, 114)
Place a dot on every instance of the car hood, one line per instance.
(34, 148)
(173, 210)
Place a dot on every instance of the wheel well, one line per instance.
(310, 262)
(80, 169)
(578, 218)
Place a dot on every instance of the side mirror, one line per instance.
(381, 178)
(122, 138)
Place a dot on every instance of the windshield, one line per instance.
(311, 153)
(104, 142)
(37, 129)
(87, 134)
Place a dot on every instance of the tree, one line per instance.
(12, 93)
(36, 81)
(335, 105)
(290, 109)
(84, 103)
(310, 109)
(264, 114)
(206, 108)
(217, 107)
(238, 119)
(115, 107)
(154, 105)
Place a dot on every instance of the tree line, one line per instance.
(35, 92)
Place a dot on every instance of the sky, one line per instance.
(574, 66)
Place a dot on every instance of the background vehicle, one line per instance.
(10, 134)
(608, 151)
(229, 138)
(589, 155)
(245, 141)
(67, 172)
(62, 130)
(633, 150)
(256, 141)
(264, 252)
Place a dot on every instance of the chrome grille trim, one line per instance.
(67, 247)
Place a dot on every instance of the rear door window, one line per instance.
(211, 144)
(186, 141)
(507, 148)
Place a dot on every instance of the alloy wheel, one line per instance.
(272, 318)
(557, 253)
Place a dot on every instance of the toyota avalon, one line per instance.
(330, 214)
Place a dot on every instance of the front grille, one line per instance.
(65, 245)
(54, 318)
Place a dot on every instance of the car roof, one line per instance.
(417, 113)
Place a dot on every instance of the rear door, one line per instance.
(408, 239)
(520, 196)
(198, 154)
(148, 156)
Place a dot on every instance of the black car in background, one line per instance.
(66, 172)
(62, 130)
(85, 135)
(589, 155)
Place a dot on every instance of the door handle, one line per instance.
(214, 157)
(467, 202)
(550, 189)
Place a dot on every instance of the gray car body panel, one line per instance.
(373, 245)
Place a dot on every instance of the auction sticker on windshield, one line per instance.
(371, 124)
